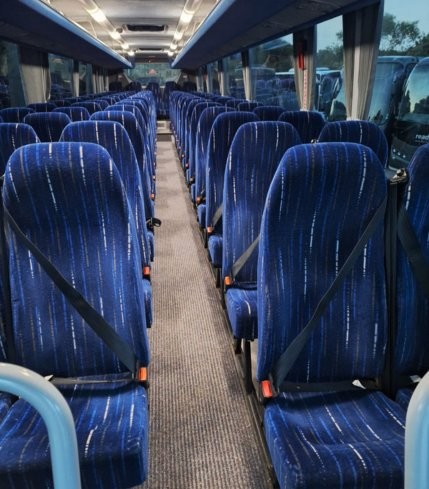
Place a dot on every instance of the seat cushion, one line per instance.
(336, 440)
(241, 306)
(201, 213)
(403, 397)
(147, 294)
(112, 432)
(215, 250)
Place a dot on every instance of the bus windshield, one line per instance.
(414, 106)
(160, 73)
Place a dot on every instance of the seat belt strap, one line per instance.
(217, 215)
(98, 324)
(289, 356)
(242, 260)
(413, 250)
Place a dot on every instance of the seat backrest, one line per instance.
(192, 133)
(204, 127)
(268, 112)
(321, 199)
(12, 136)
(247, 106)
(90, 106)
(353, 131)
(255, 153)
(412, 306)
(15, 114)
(234, 103)
(132, 126)
(221, 135)
(308, 123)
(42, 106)
(114, 138)
(68, 198)
(47, 125)
(75, 113)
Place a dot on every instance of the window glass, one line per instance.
(11, 91)
(160, 73)
(271, 71)
(213, 69)
(233, 73)
(61, 70)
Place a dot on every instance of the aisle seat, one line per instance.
(308, 123)
(47, 125)
(14, 135)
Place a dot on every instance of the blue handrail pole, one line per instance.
(417, 438)
(53, 408)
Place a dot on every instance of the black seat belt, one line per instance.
(413, 250)
(289, 356)
(98, 324)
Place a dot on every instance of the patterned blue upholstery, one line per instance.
(15, 114)
(242, 309)
(186, 129)
(253, 158)
(412, 306)
(334, 440)
(268, 112)
(363, 132)
(307, 123)
(221, 135)
(47, 125)
(92, 240)
(193, 136)
(234, 103)
(90, 106)
(204, 127)
(113, 137)
(247, 105)
(12, 136)
(132, 126)
(42, 106)
(75, 113)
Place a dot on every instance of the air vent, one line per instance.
(146, 27)
(150, 49)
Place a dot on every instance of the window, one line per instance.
(160, 73)
(61, 70)
(233, 73)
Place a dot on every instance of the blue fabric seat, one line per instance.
(327, 439)
(47, 125)
(204, 127)
(268, 112)
(411, 355)
(353, 131)
(90, 106)
(12, 136)
(15, 114)
(51, 338)
(308, 123)
(114, 138)
(75, 113)
(255, 153)
(42, 106)
(247, 106)
(221, 135)
(132, 126)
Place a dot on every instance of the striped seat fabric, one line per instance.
(268, 112)
(306, 122)
(247, 106)
(15, 114)
(411, 356)
(252, 160)
(69, 199)
(90, 106)
(362, 132)
(113, 137)
(222, 133)
(42, 106)
(47, 125)
(12, 136)
(320, 201)
(75, 113)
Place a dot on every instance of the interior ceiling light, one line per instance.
(173, 46)
(186, 16)
(125, 46)
(115, 35)
(178, 35)
(131, 52)
(97, 15)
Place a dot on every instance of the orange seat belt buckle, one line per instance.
(146, 272)
(142, 376)
(209, 230)
(266, 390)
(227, 281)
(198, 200)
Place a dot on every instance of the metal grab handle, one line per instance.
(53, 408)
(417, 438)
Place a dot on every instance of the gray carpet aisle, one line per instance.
(201, 432)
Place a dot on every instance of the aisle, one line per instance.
(201, 432)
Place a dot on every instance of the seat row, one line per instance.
(79, 202)
(363, 313)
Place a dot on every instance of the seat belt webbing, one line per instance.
(411, 245)
(217, 215)
(289, 356)
(99, 325)
(241, 261)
